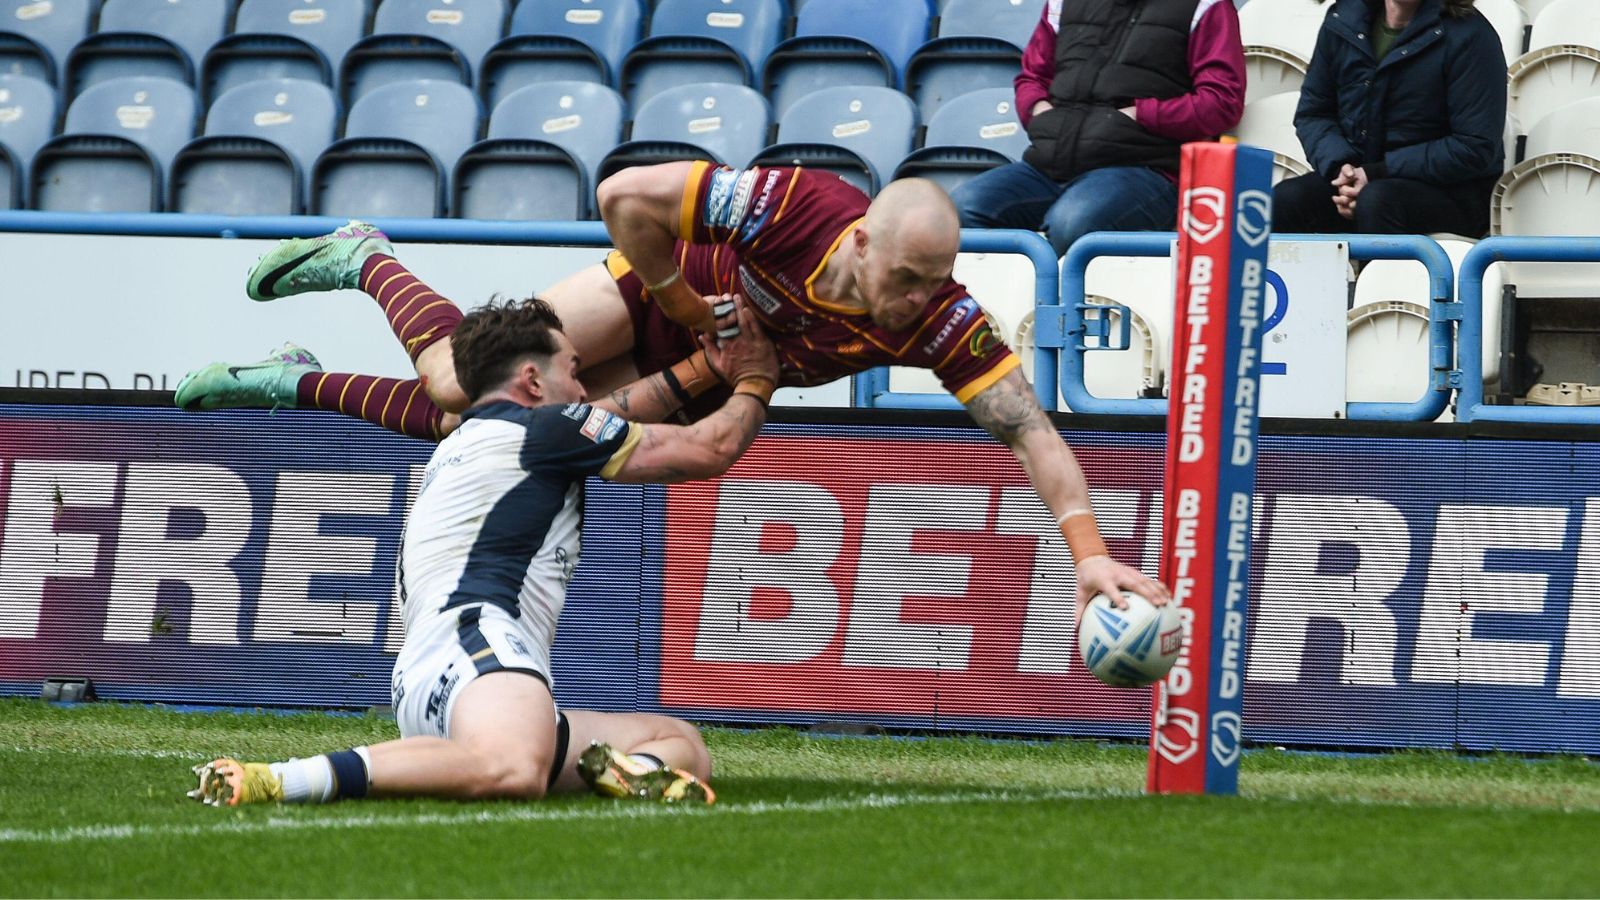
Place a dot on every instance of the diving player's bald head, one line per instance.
(906, 249)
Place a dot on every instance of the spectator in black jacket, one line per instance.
(1401, 115)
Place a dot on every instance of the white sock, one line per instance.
(306, 780)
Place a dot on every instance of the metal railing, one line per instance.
(1061, 330)
(1470, 405)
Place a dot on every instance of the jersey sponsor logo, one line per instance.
(755, 291)
(575, 411)
(593, 425)
(518, 648)
(763, 209)
(742, 190)
(613, 428)
(959, 313)
(851, 347)
(719, 204)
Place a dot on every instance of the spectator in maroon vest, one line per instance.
(1109, 90)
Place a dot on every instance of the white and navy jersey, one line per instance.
(496, 520)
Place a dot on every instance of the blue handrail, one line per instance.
(1469, 402)
(872, 386)
(1059, 328)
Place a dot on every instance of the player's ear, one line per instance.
(530, 376)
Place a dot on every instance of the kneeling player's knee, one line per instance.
(518, 779)
(700, 765)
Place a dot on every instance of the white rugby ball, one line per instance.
(1129, 647)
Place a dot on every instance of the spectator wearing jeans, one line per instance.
(1109, 90)
(1402, 115)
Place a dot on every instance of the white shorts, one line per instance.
(435, 666)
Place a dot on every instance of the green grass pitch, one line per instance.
(91, 804)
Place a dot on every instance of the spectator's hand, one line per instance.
(1345, 206)
(749, 354)
(1131, 112)
(1104, 575)
(1040, 107)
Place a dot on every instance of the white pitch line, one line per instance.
(111, 751)
(518, 814)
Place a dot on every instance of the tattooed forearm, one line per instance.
(646, 400)
(1008, 410)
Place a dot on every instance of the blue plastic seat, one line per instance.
(109, 55)
(22, 55)
(240, 59)
(520, 180)
(401, 141)
(27, 120)
(56, 27)
(984, 119)
(192, 25)
(119, 138)
(725, 123)
(893, 28)
(470, 26)
(385, 59)
(804, 65)
(701, 41)
(261, 141)
(826, 129)
(1002, 20)
(947, 67)
(525, 59)
(331, 26)
(608, 27)
(582, 118)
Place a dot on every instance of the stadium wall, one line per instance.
(1436, 588)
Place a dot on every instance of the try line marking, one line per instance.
(529, 813)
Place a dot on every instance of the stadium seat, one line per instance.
(192, 25)
(261, 141)
(970, 134)
(608, 27)
(1268, 122)
(554, 132)
(700, 41)
(1012, 22)
(1268, 71)
(519, 180)
(239, 59)
(726, 123)
(21, 55)
(54, 27)
(525, 59)
(331, 26)
(1288, 25)
(1562, 64)
(873, 32)
(470, 26)
(947, 67)
(862, 133)
(385, 59)
(401, 141)
(1510, 22)
(27, 120)
(109, 55)
(802, 65)
(115, 147)
(1556, 189)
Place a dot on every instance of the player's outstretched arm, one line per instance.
(642, 207)
(1008, 410)
(706, 449)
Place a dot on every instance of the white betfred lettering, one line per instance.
(297, 550)
(1047, 625)
(146, 557)
(876, 636)
(738, 568)
(1580, 651)
(1460, 588)
(41, 491)
(1185, 524)
(394, 628)
(1293, 592)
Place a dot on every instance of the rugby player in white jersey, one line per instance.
(486, 555)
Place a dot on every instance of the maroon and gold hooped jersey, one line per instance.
(767, 233)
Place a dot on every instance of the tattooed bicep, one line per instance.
(1008, 409)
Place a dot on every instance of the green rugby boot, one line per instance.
(228, 782)
(613, 774)
(327, 263)
(267, 384)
